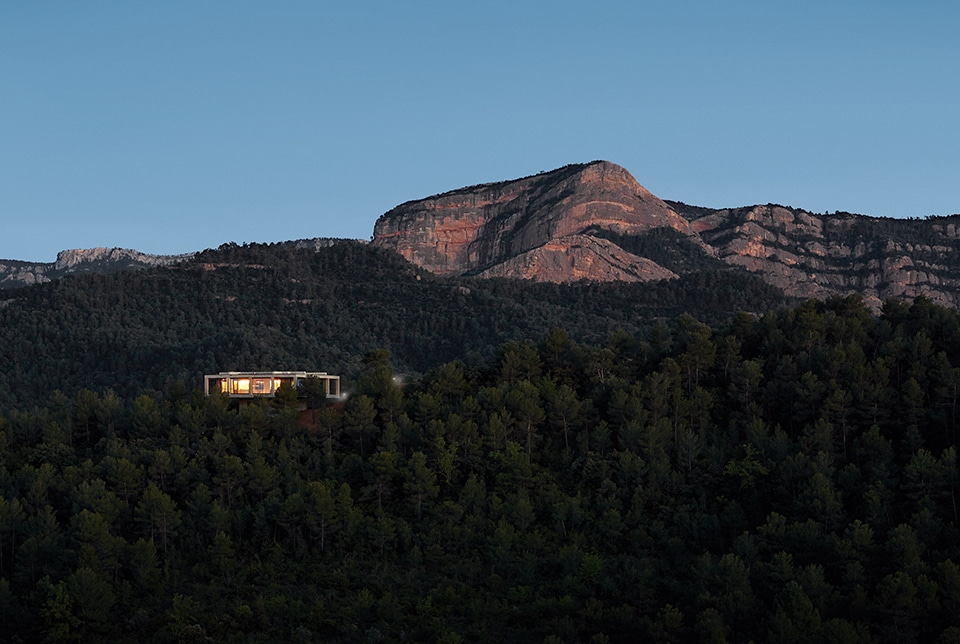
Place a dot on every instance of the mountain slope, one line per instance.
(810, 255)
(541, 227)
(594, 222)
(492, 229)
(266, 307)
(16, 273)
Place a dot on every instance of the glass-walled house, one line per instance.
(256, 384)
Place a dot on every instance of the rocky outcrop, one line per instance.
(595, 222)
(577, 257)
(559, 226)
(516, 228)
(14, 274)
(74, 260)
(316, 243)
(809, 255)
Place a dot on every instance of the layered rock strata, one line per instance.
(595, 222)
(549, 227)
(532, 227)
(809, 255)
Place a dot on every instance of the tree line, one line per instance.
(268, 307)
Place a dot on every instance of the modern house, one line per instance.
(264, 384)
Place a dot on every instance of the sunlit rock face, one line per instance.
(577, 257)
(809, 255)
(594, 222)
(549, 227)
(532, 227)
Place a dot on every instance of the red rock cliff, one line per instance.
(532, 227)
(808, 255)
(559, 226)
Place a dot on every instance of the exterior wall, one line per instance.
(264, 384)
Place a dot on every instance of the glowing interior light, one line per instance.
(248, 384)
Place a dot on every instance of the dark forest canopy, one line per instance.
(267, 307)
(791, 477)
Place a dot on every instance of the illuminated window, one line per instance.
(264, 383)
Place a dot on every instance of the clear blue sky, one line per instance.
(175, 126)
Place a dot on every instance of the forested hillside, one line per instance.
(262, 307)
(791, 477)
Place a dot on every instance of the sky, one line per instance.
(171, 127)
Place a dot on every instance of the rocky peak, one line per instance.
(485, 228)
(595, 222)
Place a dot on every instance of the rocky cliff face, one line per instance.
(560, 226)
(14, 274)
(576, 257)
(809, 255)
(532, 227)
(595, 222)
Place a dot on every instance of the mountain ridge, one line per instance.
(17, 273)
(104, 260)
(593, 221)
(471, 232)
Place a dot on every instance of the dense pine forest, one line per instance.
(784, 477)
(269, 307)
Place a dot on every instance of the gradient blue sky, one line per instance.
(170, 126)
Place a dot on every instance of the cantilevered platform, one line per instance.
(264, 384)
